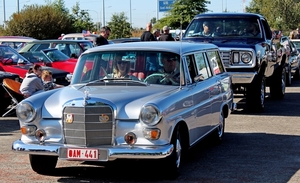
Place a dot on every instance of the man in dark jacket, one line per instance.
(166, 36)
(147, 35)
(104, 34)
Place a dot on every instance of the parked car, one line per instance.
(16, 42)
(296, 42)
(81, 36)
(293, 66)
(72, 48)
(4, 97)
(52, 58)
(99, 117)
(12, 61)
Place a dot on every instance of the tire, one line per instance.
(289, 77)
(172, 164)
(43, 164)
(277, 87)
(256, 94)
(219, 132)
(297, 74)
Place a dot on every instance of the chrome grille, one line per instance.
(226, 57)
(86, 128)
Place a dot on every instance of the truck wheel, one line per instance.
(43, 164)
(255, 95)
(173, 162)
(297, 74)
(289, 77)
(277, 87)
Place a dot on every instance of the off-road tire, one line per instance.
(277, 86)
(255, 95)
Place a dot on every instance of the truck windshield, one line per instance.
(224, 27)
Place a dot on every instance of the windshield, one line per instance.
(145, 66)
(55, 55)
(224, 27)
(10, 54)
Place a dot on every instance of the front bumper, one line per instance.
(106, 153)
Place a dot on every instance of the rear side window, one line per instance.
(215, 62)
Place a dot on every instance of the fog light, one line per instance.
(152, 134)
(130, 138)
(40, 135)
(28, 130)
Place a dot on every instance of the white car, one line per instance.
(16, 42)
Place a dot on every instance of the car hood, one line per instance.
(228, 42)
(128, 101)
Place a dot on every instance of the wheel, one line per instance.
(277, 87)
(219, 132)
(155, 78)
(43, 164)
(289, 77)
(255, 95)
(173, 162)
(297, 74)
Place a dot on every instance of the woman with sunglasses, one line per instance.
(121, 68)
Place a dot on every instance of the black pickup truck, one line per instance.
(248, 51)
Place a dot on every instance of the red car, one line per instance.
(12, 61)
(52, 58)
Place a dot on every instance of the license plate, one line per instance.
(83, 154)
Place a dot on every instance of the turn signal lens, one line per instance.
(28, 130)
(152, 134)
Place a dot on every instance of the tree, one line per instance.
(182, 12)
(40, 22)
(119, 26)
(282, 15)
(81, 19)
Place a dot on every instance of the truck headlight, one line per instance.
(150, 115)
(246, 57)
(25, 112)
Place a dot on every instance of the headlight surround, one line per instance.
(25, 112)
(246, 57)
(150, 115)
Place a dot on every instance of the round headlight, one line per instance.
(246, 57)
(150, 115)
(25, 112)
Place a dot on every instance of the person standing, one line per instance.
(166, 36)
(104, 34)
(147, 35)
(156, 34)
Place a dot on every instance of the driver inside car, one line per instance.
(169, 74)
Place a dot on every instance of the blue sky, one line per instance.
(141, 10)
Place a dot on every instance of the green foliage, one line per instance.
(40, 22)
(81, 19)
(119, 26)
(282, 15)
(182, 12)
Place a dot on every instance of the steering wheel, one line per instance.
(160, 78)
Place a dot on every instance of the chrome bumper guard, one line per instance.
(242, 77)
(111, 153)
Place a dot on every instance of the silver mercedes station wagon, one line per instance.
(141, 100)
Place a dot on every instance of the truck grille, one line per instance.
(226, 57)
(88, 126)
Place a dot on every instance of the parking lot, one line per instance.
(256, 148)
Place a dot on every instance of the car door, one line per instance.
(218, 78)
(201, 82)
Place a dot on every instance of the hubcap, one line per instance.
(262, 93)
(178, 152)
(221, 126)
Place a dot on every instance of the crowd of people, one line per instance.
(156, 35)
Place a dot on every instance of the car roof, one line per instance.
(80, 35)
(16, 38)
(248, 15)
(165, 46)
(60, 41)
